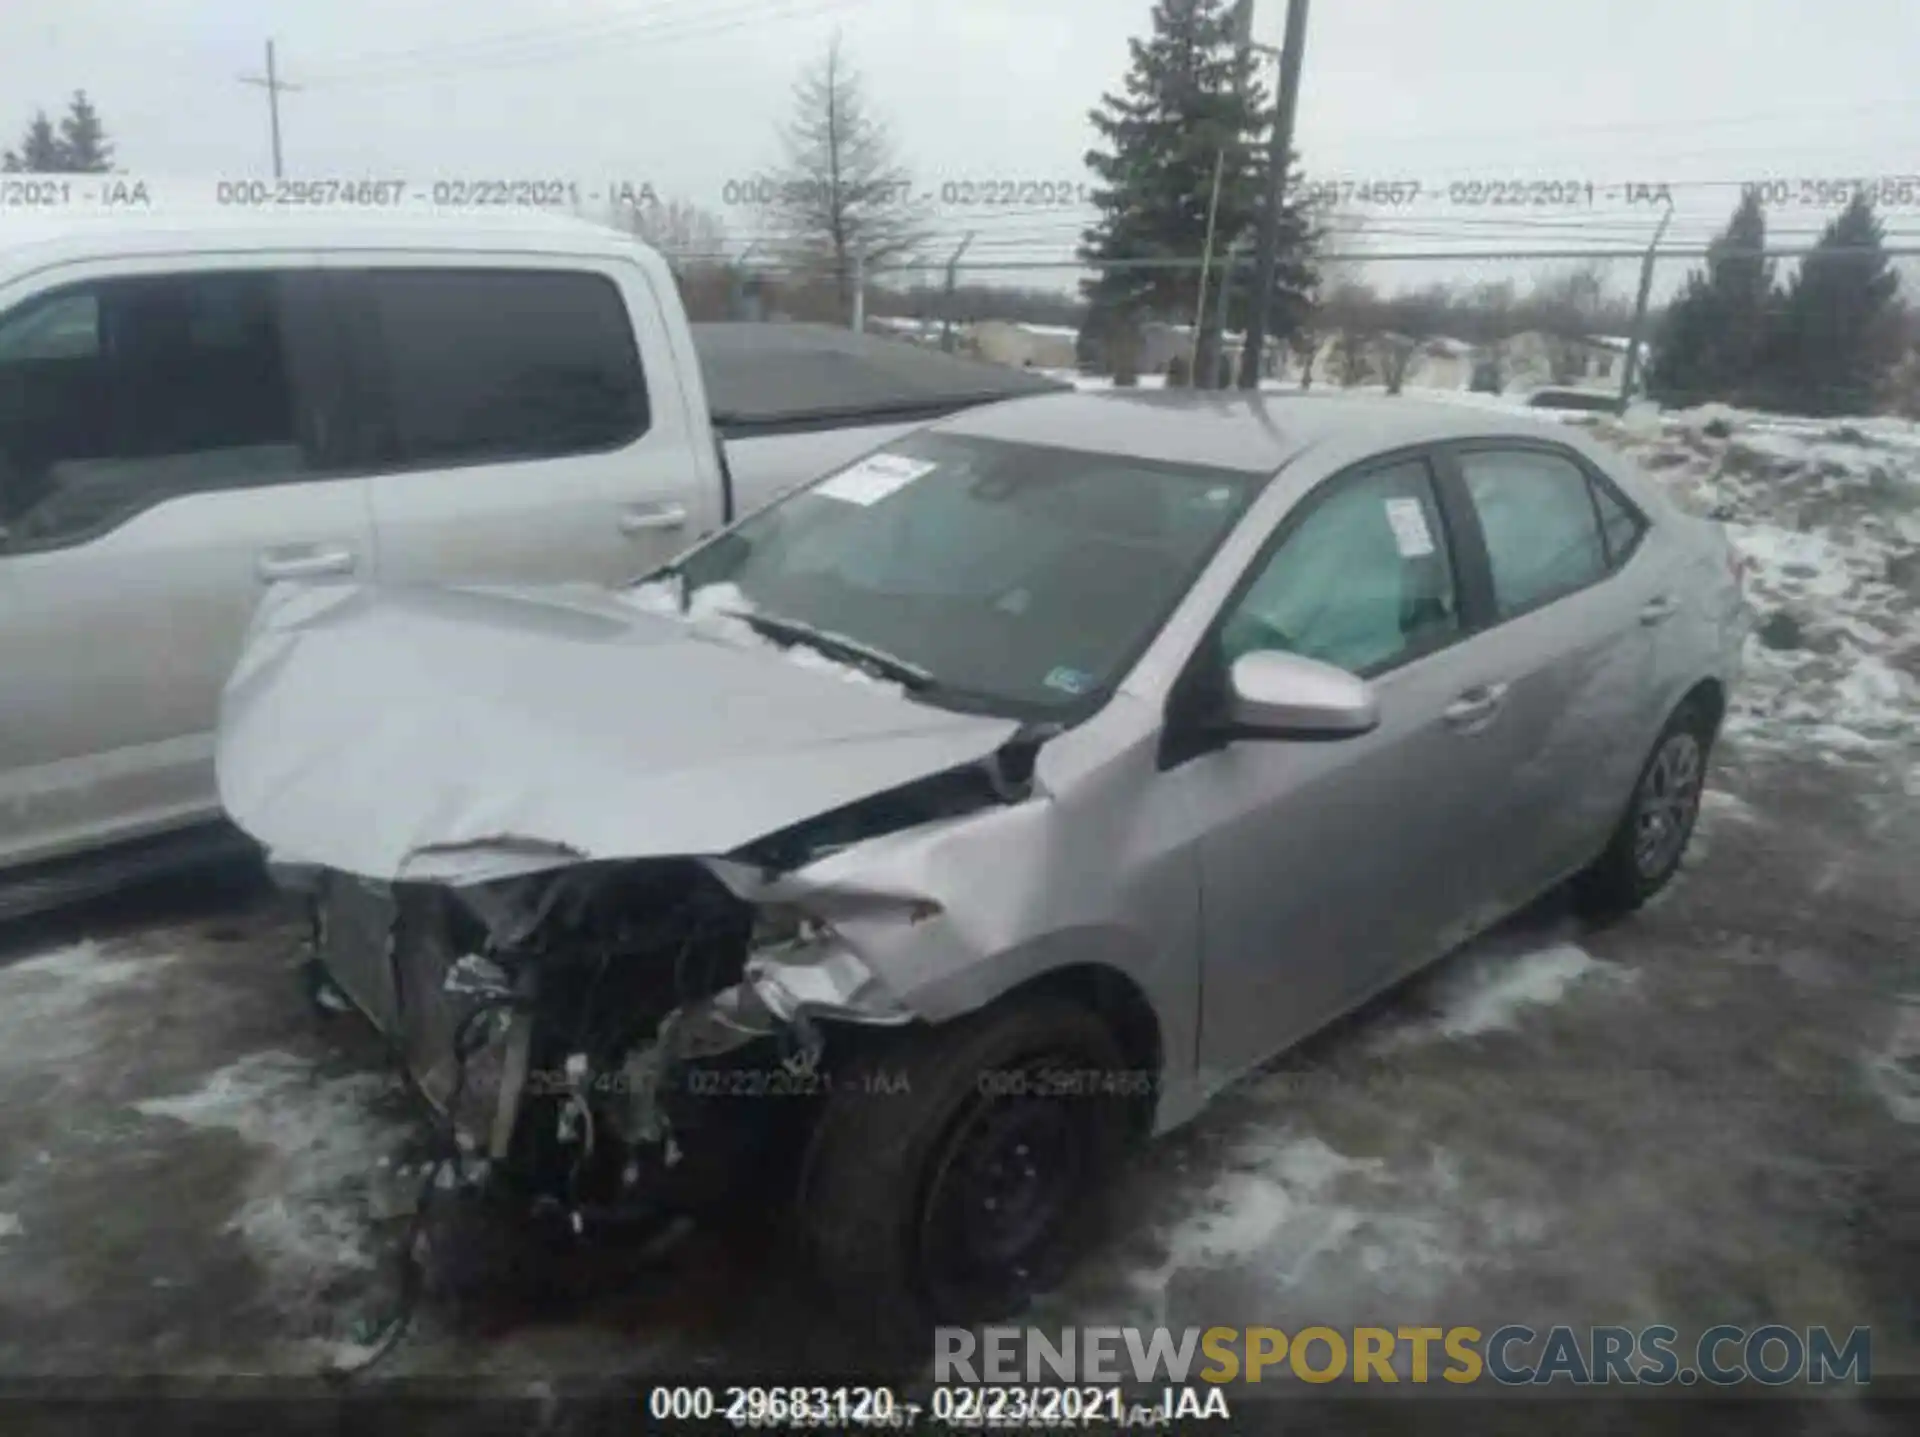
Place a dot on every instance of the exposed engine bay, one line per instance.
(626, 1039)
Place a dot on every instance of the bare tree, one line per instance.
(693, 243)
(1395, 355)
(1407, 322)
(1303, 343)
(679, 229)
(840, 197)
(1352, 355)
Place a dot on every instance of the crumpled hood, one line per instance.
(463, 734)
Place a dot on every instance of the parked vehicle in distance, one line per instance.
(196, 405)
(995, 799)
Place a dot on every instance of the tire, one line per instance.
(919, 1128)
(1646, 847)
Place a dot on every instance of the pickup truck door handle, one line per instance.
(1658, 611)
(1474, 707)
(645, 518)
(303, 561)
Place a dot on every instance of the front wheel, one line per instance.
(1645, 850)
(951, 1174)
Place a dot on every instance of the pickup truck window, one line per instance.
(118, 394)
(481, 366)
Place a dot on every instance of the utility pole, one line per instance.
(1292, 47)
(1632, 361)
(273, 85)
(946, 302)
(859, 319)
(1206, 263)
(1226, 288)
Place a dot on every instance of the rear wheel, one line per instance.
(951, 1174)
(1646, 848)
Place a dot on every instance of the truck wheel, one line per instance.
(952, 1169)
(1645, 850)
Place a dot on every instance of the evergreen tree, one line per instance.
(1189, 99)
(1711, 344)
(1838, 327)
(83, 140)
(39, 151)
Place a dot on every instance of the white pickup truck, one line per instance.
(195, 406)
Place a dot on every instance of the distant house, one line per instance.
(1023, 346)
(1534, 358)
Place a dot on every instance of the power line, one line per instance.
(662, 29)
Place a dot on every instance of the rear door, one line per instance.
(520, 426)
(165, 453)
(1566, 661)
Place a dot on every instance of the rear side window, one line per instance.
(1620, 526)
(1542, 531)
(119, 394)
(491, 365)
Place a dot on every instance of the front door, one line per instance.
(161, 462)
(1327, 868)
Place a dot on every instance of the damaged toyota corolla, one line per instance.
(926, 835)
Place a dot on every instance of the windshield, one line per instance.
(1023, 579)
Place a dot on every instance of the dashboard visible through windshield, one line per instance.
(1015, 577)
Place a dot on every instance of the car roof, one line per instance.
(31, 239)
(1253, 432)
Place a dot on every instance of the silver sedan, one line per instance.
(929, 833)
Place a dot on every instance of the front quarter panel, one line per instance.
(1090, 871)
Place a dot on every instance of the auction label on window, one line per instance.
(1410, 530)
(875, 477)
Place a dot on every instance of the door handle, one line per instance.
(1475, 706)
(646, 518)
(1658, 611)
(310, 562)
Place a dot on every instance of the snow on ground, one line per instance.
(1287, 1206)
(1893, 1073)
(44, 1003)
(322, 1140)
(1827, 518)
(1487, 991)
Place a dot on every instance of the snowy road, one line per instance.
(1710, 1113)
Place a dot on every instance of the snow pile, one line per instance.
(306, 1211)
(713, 612)
(1827, 518)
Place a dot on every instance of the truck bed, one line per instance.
(794, 402)
(789, 378)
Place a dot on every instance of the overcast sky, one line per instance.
(687, 94)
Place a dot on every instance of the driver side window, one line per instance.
(1364, 581)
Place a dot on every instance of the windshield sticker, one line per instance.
(1410, 530)
(1219, 496)
(874, 477)
(1071, 681)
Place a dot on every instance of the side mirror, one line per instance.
(1283, 695)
